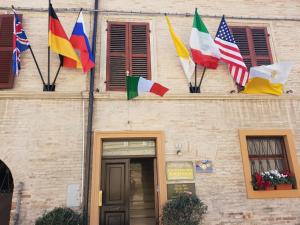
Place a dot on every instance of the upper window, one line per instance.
(128, 51)
(6, 50)
(254, 45)
(270, 160)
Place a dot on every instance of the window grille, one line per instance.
(267, 153)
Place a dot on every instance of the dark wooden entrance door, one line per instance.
(115, 187)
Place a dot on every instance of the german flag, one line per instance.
(58, 41)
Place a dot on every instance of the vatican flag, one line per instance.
(268, 79)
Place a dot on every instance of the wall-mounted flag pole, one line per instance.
(201, 79)
(21, 43)
(230, 54)
(187, 63)
(59, 43)
(137, 85)
(80, 42)
(204, 50)
(57, 72)
(47, 88)
(68, 62)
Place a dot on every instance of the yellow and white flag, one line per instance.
(183, 54)
(268, 79)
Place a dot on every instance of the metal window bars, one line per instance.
(267, 153)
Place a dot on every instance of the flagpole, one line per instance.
(37, 66)
(195, 78)
(29, 46)
(48, 85)
(61, 61)
(204, 70)
(56, 75)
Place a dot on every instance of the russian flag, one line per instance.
(80, 43)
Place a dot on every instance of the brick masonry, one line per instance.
(42, 134)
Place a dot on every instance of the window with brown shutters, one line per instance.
(128, 49)
(254, 45)
(6, 49)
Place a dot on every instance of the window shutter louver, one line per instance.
(241, 39)
(139, 51)
(254, 45)
(117, 53)
(261, 46)
(6, 49)
(128, 50)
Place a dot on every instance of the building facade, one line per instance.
(146, 149)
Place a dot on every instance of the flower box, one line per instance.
(267, 180)
(284, 187)
(270, 188)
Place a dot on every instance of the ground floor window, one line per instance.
(270, 163)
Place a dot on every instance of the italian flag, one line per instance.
(137, 85)
(204, 50)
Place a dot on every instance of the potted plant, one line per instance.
(286, 181)
(186, 209)
(263, 181)
(60, 216)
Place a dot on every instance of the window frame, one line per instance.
(10, 83)
(291, 158)
(252, 54)
(128, 51)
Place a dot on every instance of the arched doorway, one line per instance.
(6, 192)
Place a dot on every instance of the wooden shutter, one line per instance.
(128, 49)
(139, 50)
(117, 52)
(6, 49)
(261, 46)
(254, 45)
(241, 39)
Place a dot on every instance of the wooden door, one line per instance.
(115, 187)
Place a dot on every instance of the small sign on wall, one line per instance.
(181, 170)
(204, 166)
(73, 195)
(175, 189)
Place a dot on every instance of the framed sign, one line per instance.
(181, 170)
(175, 189)
(204, 166)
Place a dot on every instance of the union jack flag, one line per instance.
(20, 43)
(230, 54)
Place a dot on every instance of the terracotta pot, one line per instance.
(284, 187)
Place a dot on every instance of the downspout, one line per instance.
(89, 134)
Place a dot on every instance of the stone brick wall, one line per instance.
(207, 128)
(42, 144)
(42, 134)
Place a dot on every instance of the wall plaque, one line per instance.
(181, 170)
(204, 166)
(175, 189)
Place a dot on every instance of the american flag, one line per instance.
(20, 44)
(230, 54)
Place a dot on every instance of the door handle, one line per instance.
(100, 198)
